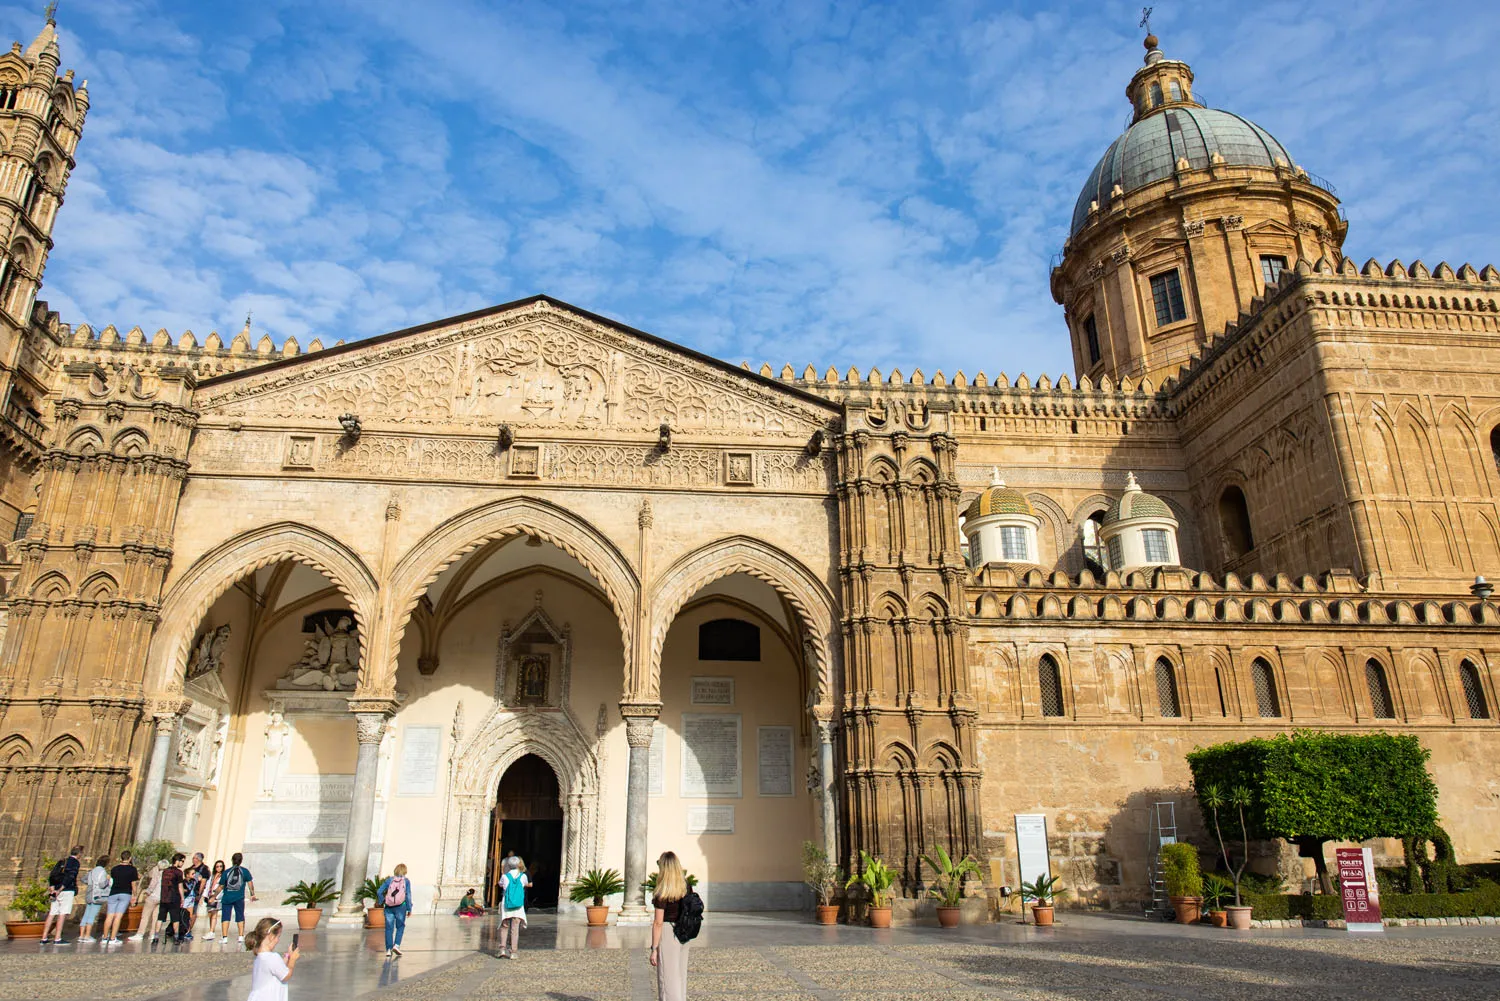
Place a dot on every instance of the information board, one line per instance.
(1361, 892)
(419, 761)
(1031, 846)
(774, 760)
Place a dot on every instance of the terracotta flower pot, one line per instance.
(1188, 909)
(308, 917)
(1239, 918)
(1218, 919)
(828, 914)
(131, 922)
(24, 929)
(947, 917)
(1042, 915)
(880, 917)
(598, 916)
(374, 917)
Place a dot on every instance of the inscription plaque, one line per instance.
(710, 820)
(774, 760)
(710, 755)
(419, 761)
(713, 691)
(658, 770)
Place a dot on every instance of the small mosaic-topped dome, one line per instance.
(1136, 503)
(998, 498)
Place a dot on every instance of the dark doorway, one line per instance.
(528, 822)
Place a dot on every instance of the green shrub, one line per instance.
(1483, 900)
(1179, 869)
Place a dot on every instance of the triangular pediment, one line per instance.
(536, 363)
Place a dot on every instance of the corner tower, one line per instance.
(1183, 222)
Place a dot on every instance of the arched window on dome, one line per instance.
(1479, 707)
(1267, 704)
(1381, 705)
(1049, 679)
(1175, 89)
(1095, 553)
(1156, 95)
(1234, 521)
(1166, 689)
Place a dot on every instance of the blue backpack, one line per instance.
(515, 891)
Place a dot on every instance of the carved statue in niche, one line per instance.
(208, 652)
(531, 679)
(273, 757)
(187, 747)
(330, 659)
(221, 740)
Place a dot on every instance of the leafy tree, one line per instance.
(1311, 788)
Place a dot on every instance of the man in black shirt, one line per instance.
(124, 879)
(62, 884)
(197, 881)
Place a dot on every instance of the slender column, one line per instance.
(156, 778)
(826, 729)
(370, 727)
(640, 718)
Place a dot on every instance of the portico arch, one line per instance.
(466, 532)
(216, 572)
(786, 575)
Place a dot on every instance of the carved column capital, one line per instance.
(166, 710)
(640, 718)
(826, 730)
(370, 727)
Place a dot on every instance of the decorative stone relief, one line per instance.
(301, 451)
(739, 468)
(1232, 221)
(208, 652)
(330, 659)
(534, 660)
(525, 460)
(1192, 227)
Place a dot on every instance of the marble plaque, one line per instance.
(710, 820)
(710, 755)
(775, 758)
(331, 788)
(658, 770)
(713, 692)
(420, 746)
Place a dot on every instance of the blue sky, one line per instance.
(825, 183)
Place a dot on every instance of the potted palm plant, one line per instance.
(32, 900)
(595, 885)
(374, 912)
(309, 899)
(1216, 890)
(1215, 799)
(1179, 870)
(821, 876)
(948, 888)
(1044, 891)
(877, 878)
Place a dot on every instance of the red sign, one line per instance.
(1361, 894)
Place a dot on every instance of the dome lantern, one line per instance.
(1139, 530)
(1001, 525)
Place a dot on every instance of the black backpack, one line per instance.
(58, 876)
(689, 917)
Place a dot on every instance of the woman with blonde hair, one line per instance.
(395, 896)
(512, 905)
(669, 956)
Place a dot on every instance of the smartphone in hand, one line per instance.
(295, 937)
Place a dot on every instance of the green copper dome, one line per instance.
(1136, 503)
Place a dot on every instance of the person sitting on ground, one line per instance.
(95, 895)
(469, 907)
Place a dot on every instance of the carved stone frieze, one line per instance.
(535, 366)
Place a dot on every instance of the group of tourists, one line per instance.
(172, 894)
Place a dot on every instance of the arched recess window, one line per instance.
(1380, 691)
(1495, 446)
(1234, 520)
(1050, 679)
(1266, 701)
(1479, 708)
(1166, 689)
(1095, 554)
(1155, 95)
(728, 639)
(1175, 89)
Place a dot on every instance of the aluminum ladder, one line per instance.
(1163, 831)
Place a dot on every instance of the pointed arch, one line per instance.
(808, 596)
(463, 533)
(207, 578)
(62, 750)
(51, 585)
(100, 587)
(1381, 704)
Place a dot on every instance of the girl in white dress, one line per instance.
(270, 973)
(512, 905)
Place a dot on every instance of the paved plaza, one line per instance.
(784, 958)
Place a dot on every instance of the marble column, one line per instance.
(156, 778)
(639, 723)
(826, 729)
(370, 728)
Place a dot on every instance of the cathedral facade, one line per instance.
(529, 577)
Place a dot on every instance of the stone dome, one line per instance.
(998, 498)
(1136, 503)
(1149, 151)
